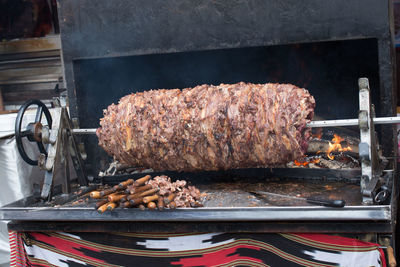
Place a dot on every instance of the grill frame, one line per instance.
(130, 28)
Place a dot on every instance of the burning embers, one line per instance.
(329, 155)
(305, 163)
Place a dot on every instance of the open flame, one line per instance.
(305, 163)
(336, 146)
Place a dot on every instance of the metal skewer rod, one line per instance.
(352, 122)
(333, 123)
(84, 131)
(312, 124)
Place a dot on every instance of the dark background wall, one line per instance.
(329, 70)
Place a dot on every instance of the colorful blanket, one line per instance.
(205, 249)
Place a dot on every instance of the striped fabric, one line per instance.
(204, 249)
(18, 256)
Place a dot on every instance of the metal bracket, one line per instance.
(61, 149)
(368, 148)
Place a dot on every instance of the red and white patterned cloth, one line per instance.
(205, 249)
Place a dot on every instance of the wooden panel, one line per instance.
(30, 68)
(31, 86)
(30, 45)
(18, 97)
(29, 55)
(30, 63)
(30, 75)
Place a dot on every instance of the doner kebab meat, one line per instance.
(209, 127)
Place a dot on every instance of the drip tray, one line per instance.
(284, 193)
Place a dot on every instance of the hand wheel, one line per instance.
(33, 130)
(382, 196)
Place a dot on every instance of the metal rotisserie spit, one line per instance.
(243, 136)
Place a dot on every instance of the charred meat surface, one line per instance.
(209, 127)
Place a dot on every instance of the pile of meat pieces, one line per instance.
(157, 193)
(185, 196)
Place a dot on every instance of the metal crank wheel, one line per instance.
(35, 131)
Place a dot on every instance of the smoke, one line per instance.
(329, 70)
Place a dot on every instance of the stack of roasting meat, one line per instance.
(159, 193)
(209, 127)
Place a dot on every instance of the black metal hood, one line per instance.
(112, 48)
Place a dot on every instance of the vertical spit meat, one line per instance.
(209, 127)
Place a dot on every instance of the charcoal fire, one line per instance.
(326, 159)
(209, 127)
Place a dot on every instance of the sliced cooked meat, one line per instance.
(209, 127)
